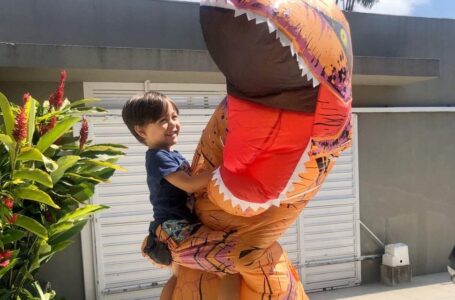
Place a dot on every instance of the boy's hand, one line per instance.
(189, 184)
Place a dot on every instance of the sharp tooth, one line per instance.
(309, 76)
(315, 82)
(260, 20)
(304, 72)
(302, 64)
(239, 12)
(250, 16)
(292, 50)
(283, 39)
(271, 26)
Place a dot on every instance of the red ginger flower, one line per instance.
(20, 125)
(56, 99)
(6, 254)
(4, 264)
(43, 128)
(83, 134)
(9, 203)
(12, 219)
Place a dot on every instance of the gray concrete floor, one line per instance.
(427, 287)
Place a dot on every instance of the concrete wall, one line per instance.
(407, 191)
(406, 170)
(103, 23)
(392, 36)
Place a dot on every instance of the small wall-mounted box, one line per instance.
(395, 266)
(396, 255)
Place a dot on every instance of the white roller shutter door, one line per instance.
(325, 232)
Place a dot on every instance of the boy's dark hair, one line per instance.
(146, 108)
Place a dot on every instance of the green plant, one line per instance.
(46, 177)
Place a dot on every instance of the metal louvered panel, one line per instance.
(325, 231)
(330, 228)
(122, 272)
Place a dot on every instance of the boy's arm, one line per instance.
(189, 184)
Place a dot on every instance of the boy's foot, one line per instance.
(158, 251)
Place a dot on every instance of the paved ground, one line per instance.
(428, 287)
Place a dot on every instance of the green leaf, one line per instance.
(30, 109)
(3, 271)
(31, 225)
(5, 139)
(60, 246)
(105, 164)
(60, 227)
(83, 191)
(79, 178)
(52, 135)
(29, 153)
(108, 145)
(67, 234)
(34, 195)
(64, 163)
(12, 236)
(8, 117)
(83, 101)
(35, 175)
(82, 213)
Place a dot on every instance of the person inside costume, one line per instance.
(153, 119)
(270, 144)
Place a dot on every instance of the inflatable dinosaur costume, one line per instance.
(271, 142)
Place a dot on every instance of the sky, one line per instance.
(420, 8)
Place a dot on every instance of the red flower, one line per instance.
(43, 128)
(25, 97)
(7, 254)
(20, 125)
(56, 99)
(12, 219)
(48, 216)
(83, 134)
(4, 264)
(9, 203)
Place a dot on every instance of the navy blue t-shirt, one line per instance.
(169, 202)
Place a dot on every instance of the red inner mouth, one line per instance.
(262, 148)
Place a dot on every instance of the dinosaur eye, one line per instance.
(343, 37)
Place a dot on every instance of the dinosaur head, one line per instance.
(277, 52)
(288, 67)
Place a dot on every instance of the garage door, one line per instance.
(320, 242)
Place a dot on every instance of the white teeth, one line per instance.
(292, 50)
(309, 76)
(271, 26)
(302, 66)
(283, 39)
(260, 20)
(249, 16)
(239, 12)
(285, 42)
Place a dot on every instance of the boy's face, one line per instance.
(163, 133)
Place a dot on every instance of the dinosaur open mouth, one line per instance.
(258, 61)
(274, 89)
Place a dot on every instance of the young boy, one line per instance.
(153, 119)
